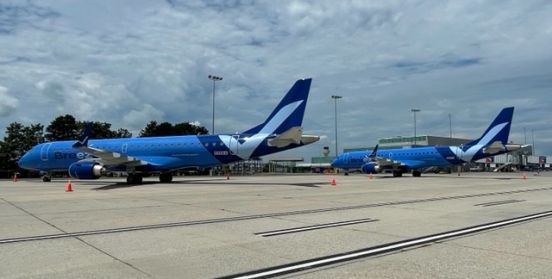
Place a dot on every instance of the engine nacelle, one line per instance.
(86, 170)
(370, 168)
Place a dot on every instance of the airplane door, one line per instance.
(124, 148)
(44, 151)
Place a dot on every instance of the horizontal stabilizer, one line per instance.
(307, 139)
(293, 135)
(494, 147)
(514, 147)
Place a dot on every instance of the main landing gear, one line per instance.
(46, 177)
(416, 173)
(134, 178)
(137, 178)
(166, 177)
(397, 173)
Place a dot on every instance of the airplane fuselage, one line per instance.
(162, 153)
(412, 158)
(494, 141)
(90, 159)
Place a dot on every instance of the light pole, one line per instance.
(533, 140)
(450, 128)
(335, 97)
(214, 79)
(414, 111)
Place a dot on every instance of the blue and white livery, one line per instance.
(90, 159)
(493, 142)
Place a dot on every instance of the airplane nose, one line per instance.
(336, 162)
(24, 161)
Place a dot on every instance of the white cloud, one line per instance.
(8, 104)
(129, 62)
(136, 118)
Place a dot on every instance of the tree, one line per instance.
(18, 139)
(153, 129)
(150, 130)
(165, 129)
(186, 128)
(62, 128)
(122, 133)
(67, 128)
(102, 130)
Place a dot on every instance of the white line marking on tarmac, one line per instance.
(315, 227)
(308, 264)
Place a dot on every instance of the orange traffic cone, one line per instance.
(524, 176)
(333, 182)
(68, 186)
(15, 178)
(370, 176)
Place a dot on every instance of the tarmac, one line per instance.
(208, 227)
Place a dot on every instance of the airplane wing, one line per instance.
(105, 157)
(386, 163)
(380, 161)
(110, 158)
(412, 164)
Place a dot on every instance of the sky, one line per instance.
(128, 62)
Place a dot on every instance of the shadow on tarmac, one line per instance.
(452, 177)
(119, 185)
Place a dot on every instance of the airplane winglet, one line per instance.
(372, 157)
(374, 152)
(85, 135)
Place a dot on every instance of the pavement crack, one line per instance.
(78, 238)
(113, 257)
(33, 215)
(494, 251)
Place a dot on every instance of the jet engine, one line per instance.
(371, 167)
(86, 170)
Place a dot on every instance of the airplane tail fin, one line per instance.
(289, 112)
(498, 131)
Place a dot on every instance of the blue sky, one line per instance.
(131, 61)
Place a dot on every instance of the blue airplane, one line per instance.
(90, 159)
(401, 160)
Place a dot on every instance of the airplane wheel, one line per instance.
(46, 179)
(166, 177)
(416, 173)
(134, 178)
(397, 173)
